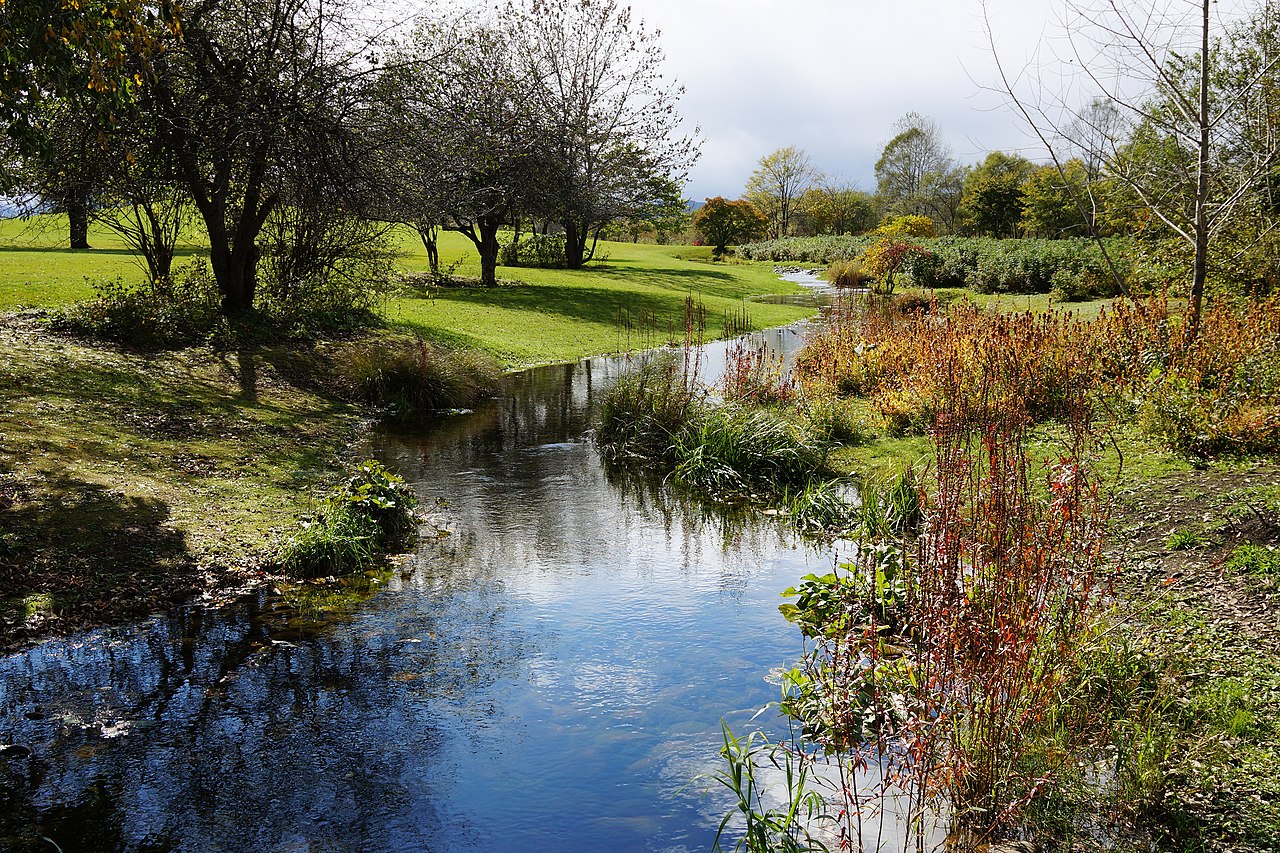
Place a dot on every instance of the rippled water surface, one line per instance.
(552, 676)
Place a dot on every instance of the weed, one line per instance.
(410, 377)
(370, 511)
(1184, 539)
(1257, 560)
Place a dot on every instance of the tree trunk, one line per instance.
(430, 236)
(516, 227)
(1200, 270)
(78, 216)
(575, 244)
(488, 248)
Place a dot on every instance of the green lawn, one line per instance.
(635, 297)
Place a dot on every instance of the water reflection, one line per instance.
(550, 677)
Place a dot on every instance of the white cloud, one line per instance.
(831, 76)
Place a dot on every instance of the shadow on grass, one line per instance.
(590, 304)
(82, 554)
(180, 252)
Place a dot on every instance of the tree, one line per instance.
(472, 140)
(831, 206)
(991, 203)
(261, 103)
(608, 113)
(1049, 201)
(916, 174)
(71, 50)
(720, 223)
(778, 181)
(1179, 116)
(64, 166)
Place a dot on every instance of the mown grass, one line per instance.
(632, 300)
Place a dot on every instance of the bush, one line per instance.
(410, 377)
(166, 314)
(913, 302)
(546, 251)
(371, 511)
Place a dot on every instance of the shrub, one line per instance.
(940, 654)
(546, 251)
(756, 377)
(994, 266)
(1218, 393)
(371, 511)
(165, 314)
(913, 302)
(902, 227)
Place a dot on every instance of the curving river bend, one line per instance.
(551, 677)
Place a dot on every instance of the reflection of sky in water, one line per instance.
(552, 677)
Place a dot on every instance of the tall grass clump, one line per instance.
(411, 377)
(740, 441)
(647, 407)
(732, 450)
(848, 274)
(372, 510)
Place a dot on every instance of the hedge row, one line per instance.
(1074, 269)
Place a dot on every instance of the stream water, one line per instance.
(550, 677)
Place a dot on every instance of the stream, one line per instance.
(552, 676)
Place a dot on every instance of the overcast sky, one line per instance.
(831, 77)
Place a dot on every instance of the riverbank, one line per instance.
(129, 483)
(1159, 718)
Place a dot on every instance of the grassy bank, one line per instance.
(128, 482)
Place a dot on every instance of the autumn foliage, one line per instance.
(1216, 393)
(720, 222)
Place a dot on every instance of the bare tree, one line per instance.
(608, 112)
(779, 181)
(1164, 99)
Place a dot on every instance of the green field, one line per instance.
(537, 316)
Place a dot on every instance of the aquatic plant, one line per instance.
(768, 829)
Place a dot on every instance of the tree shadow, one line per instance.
(75, 553)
